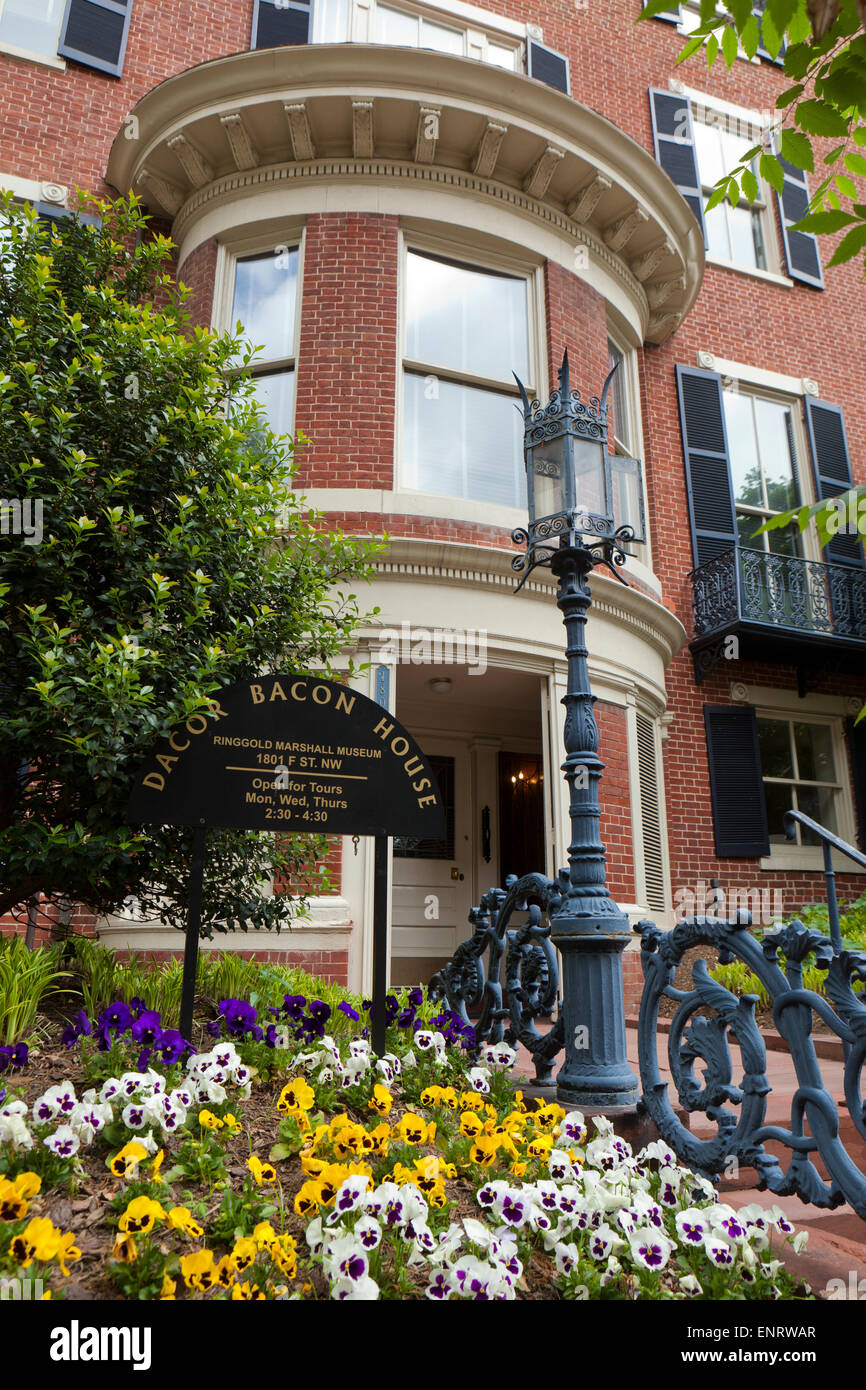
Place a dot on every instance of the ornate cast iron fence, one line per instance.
(780, 591)
(531, 971)
(709, 1016)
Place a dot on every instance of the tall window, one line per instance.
(622, 415)
(735, 233)
(763, 469)
(31, 25)
(409, 28)
(466, 332)
(798, 763)
(265, 299)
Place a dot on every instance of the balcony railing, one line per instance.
(780, 592)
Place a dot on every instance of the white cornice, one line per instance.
(360, 107)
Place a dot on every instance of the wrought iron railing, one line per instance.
(779, 591)
(709, 1016)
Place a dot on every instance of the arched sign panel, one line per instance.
(291, 753)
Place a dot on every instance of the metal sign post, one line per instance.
(193, 923)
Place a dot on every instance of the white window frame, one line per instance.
(631, 401)
(291, 236)
(32, 55)
(478, 27)
(707, 112)
(475, 257)
(803, 467)
(814, 709)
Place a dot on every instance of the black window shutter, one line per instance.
(275, 25)
(94, 32)
(674, 141)
(832, 464)
(547, 66)
(708, 473)
(801, 248)
(672, 16)
(857, 747)
(739, 808)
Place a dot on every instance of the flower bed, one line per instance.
(284, 1160)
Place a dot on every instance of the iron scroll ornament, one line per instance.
(543, 538)
(693, 1037)
(531, 987)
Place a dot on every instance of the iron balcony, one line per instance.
(781, 608)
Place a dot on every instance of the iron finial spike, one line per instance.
(527, 406)
(564, 377)
(604, 390)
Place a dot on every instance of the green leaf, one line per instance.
(750, 185)
(750, 36)
(797, 149)
(712, 49)
(851, 245)
(789, 95)
(847, 187)
(781, 12)
(770, 34)
(832, 157)
(820, 119)
(717, 197)
(652, 8)
(859, 135)
(772, 171)
(821, 222)
(855, 163)
(730, 46)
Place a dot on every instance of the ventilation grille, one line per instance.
(653, 859)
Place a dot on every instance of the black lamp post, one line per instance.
(572, 482)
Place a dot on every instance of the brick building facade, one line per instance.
(406, 202)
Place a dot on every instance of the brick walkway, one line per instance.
(837, 1239)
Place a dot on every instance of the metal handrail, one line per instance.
(829, 842)
(814, 589)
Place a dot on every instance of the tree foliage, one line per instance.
(174, 559)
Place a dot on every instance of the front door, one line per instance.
(432, 880)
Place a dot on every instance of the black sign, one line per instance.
(291, 753)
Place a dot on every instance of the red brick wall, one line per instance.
(326, 965)
(347, 364)
(198, 273)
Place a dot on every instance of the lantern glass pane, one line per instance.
(547, 478)
(589, 476)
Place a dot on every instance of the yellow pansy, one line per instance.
(232, 1123)
(243, 1254)
(449, 1098)
(247, 1293)
(470, 1124)
(540, 1146)
(224, 1272)
(198, 1270)
(141, 1216)
(471, 1100)
(67, 1251)
(169, 1287)
(296, 1097)
(156, 1165)
(181, 1219)
(124, 1248)
(308, 1198)
(264, 1235)
(380, 1136)
(483, 1151)
(380, 1100)
(12, 1204)
(411, 1129)
(125, 1162)
(262, 1172)
(208, 1120)
(27, 1185)
(431, 1095)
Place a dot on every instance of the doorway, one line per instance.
(521, 814)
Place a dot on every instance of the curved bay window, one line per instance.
(466, 332)
(265, 303)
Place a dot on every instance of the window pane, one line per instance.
(779, 799)
(774, 742)
(618, 415)
(718, 242)
(747, 247)
(709, 151)
(276, 391)
(31, 24)
(773, 425)
(502, 57)
(392, 26)
(747, 525)
(819, 803)
(787, 541)
(442, 39)
(815, 761)
(470, 320)
(745, 465)
(459, 441)
(331, 21)
(264, 302)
